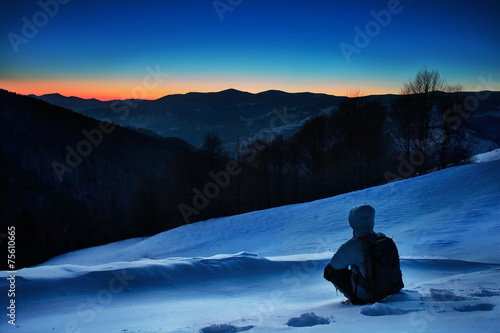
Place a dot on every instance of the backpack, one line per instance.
(383, 271)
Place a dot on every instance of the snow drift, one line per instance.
(262, 271)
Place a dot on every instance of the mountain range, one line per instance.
(231, 113)
(237, 115)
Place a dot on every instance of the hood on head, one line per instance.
(362, 219)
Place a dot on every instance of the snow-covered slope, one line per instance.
(487, 157)
(262, 271)
(451, 214)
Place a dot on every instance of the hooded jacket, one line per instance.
(351, 253)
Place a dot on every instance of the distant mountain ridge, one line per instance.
(231, 113)
(73, 103)
(234, 114)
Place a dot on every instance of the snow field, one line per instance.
(262, 271)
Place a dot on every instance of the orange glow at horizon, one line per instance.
(105, 90)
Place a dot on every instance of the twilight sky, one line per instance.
(120, 49)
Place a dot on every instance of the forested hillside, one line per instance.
(69, 181)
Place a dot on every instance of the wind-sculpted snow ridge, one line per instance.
(244, 264)
(148, 272)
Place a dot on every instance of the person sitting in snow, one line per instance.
(365, 268)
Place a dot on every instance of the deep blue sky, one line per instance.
(102, 48)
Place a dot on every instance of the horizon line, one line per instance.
(225, 90)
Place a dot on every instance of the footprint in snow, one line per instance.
(485, 293)
(476, 307)
(225, 328)
(445, 295)
(405, 295)
(307, 320)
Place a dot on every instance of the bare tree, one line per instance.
(424, 119)
(212, 145)
(423, 88)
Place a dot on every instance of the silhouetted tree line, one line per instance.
(330, 154)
